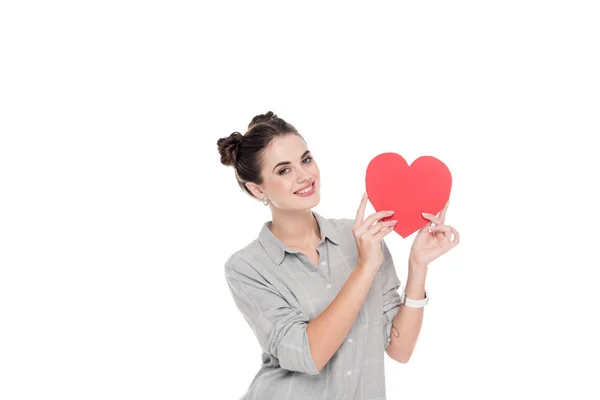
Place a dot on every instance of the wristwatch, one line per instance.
(414, 303)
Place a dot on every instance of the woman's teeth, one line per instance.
(308, 189)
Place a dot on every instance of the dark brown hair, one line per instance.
(245, 153)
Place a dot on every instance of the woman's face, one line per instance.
(288, 166)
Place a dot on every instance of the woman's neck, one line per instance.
(296, 228)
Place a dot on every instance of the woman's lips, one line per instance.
(310, 192)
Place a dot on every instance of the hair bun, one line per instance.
(228, 148)
(269, 116)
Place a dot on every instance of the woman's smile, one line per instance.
(306, 192)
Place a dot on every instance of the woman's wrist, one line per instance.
(417, 268)
(415, 282)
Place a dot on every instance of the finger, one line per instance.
(385, 231)
(376, 216)
(427, 226)
(432, 218)
(456, 237)
(360, 213)
(445, 229)
(379, 226)
(443, 212)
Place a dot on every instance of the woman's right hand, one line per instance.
(368, 236)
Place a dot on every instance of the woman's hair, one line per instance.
(245, 153)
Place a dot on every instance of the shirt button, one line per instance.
(349, 372)
(328, 286)
(349, 340)
(323, 263)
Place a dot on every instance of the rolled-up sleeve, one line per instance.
(279, 327)
(391, 297)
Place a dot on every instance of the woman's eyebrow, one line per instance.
(288, 162)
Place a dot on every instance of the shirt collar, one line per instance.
(276, 249)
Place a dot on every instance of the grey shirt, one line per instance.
(279, 290)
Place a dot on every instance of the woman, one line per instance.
(320, 294)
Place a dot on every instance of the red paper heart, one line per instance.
(392, 184)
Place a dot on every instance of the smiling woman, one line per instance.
(320, 305)
(268, 137)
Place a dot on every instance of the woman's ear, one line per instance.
(254, 189)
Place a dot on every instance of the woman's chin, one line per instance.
(307, 202)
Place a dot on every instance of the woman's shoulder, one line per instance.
(249, 262)
(244, 254)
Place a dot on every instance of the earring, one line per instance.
(265, 201)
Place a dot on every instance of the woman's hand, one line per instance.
(427, 245)
(368, 236)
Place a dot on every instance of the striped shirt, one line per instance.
(279, 290)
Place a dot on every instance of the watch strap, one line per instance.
(414, 303)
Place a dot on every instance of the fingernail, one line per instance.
(423, 214)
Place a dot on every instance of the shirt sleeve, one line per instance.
(279, 327)
(391, 297)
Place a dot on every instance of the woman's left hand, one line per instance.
(427, 245)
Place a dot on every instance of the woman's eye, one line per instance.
(285, 169)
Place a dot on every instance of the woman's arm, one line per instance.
(327, 331)
(407, 322)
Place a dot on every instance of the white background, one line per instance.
(116, 216)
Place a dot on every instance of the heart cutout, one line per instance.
(392, 184)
